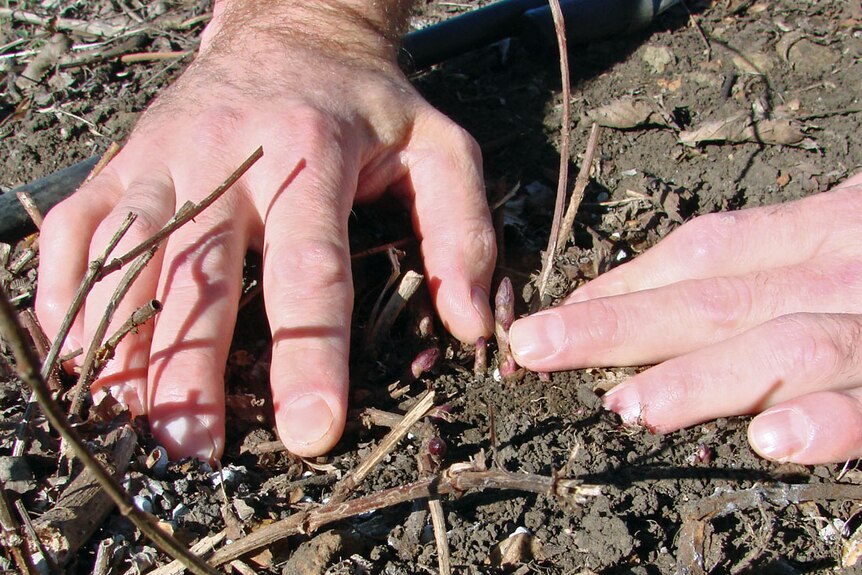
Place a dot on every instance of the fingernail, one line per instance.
(538, 337)
(625, 401)
(188, 436)
(482, 305)
(779, 434)
(307, 419)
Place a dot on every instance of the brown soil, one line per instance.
(788, 57)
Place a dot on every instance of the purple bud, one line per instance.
(504, 307)
(437, 447)
(544, 376)
(703, 454)
(425, 361)
(480, 365)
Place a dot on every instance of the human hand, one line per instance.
(756, 311)
(316, 85)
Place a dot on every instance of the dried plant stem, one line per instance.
(50, 361)
(113, 150)
(30, 207)
(203, 547)
(186, 213)
(562, 184)
(13, 538)
(35, 541)
(456, 480)
(28, 371)
(98, 29)
(410, 282)
(40, 342)
(699, 29)
(138, 318)
(89, 370)
(427, 467)
(580, 186)
(346, 486)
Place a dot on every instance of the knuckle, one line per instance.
(603, 323)
(704, 240)
(816, 343)
(313, 126)
(217, 126)
(725, 302)
(309, 268)
(480, 243)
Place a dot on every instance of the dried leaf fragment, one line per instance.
(630, 112)
(741, 128)
(520, 547)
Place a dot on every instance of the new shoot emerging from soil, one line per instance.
(504, 316)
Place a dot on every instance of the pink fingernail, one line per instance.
(538, 337)
(625, 401)
(780, 434)
(188, 436)
(306, 420)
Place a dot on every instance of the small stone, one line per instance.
(16, 475)
(659, 58)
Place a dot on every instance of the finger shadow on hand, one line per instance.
(212, 289)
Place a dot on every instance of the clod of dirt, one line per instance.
(658, 58)
(314, 556)
(16, 475)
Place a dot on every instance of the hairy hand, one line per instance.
(756, 311)
(338, 123)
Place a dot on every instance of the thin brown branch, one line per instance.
(347, 485)
(28, 371)
(581, 183)
(35, 542)
(154, 56)
(427, 467)
(562, 184)
(456, 480)
(31, 208)
(50, 361)
(138, 318)
(696, 23)
(186, 213)
(98, 29)
(110, 153)
(40, 341)
(13, 537)
(91, 366)
(83, 506)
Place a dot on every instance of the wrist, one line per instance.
(358, 27)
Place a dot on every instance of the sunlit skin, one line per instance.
(755, 311)
(317, 86)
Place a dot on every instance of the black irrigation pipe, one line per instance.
(528, 20)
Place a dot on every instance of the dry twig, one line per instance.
(110, 153)
(13, 537)
(31, 208)
(580, 186)
(186, 213)
(77, 301)
(91, 366)
(455, 480)
(562, 184)
(358, 475)
(28, 371)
